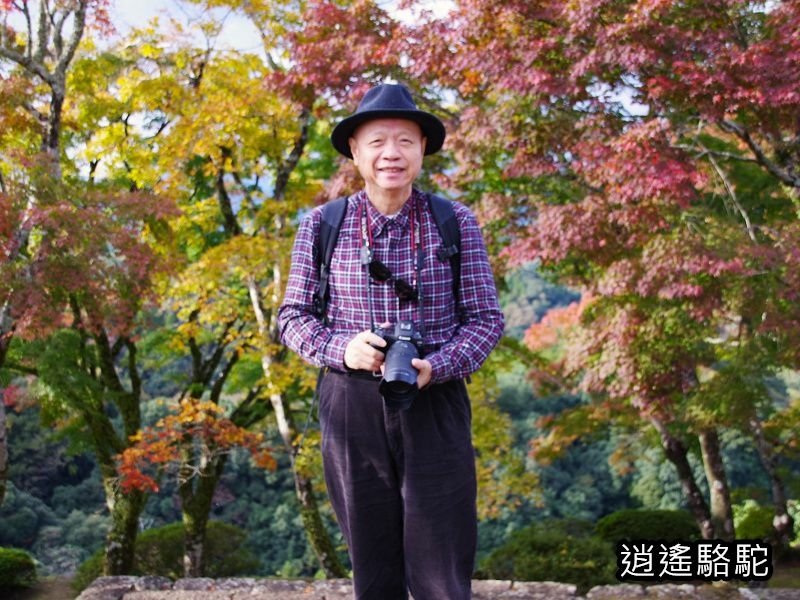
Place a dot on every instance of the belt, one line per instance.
(357, 373)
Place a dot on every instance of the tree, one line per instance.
(47, 59)
(227, 148)
(645, 154)
(76, 265)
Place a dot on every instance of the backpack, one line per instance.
(332, 216)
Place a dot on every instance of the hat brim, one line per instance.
(432, 128)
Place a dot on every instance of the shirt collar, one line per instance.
(379, 221)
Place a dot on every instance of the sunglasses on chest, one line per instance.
(404, 290)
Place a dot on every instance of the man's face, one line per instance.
(388, 153)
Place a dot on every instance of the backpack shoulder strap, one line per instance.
(446, 222)
(332, 216)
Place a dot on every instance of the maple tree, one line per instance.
(228, 148)
(201, 422)
(31, 58)
(77, 262)
(272, 174)
(646, 153)
(183, 97)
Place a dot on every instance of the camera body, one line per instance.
(399, 384)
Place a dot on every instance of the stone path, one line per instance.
(161, 588)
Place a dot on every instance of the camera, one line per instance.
(399, 384)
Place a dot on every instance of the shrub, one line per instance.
(753, 522)
(640, 524)
(88, 571)
(159, 551)
(17, 568)
(553, 551)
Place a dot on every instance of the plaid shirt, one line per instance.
(454, 346)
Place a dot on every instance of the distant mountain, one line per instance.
(526, 296)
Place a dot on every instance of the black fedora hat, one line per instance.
(388, 101)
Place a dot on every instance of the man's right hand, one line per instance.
(362, 352)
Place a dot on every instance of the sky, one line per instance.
(238, 33)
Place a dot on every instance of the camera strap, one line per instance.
(366, 258)
(333, 213)
(419, 257)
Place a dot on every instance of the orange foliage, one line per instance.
(554, 324)
(197, 423)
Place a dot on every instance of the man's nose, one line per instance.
(391, 150)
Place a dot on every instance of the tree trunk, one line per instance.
(782, 522)
(721, 510)
(317, 534)
(125, 509)
(197, 495)
(194, 543)
(677, 454)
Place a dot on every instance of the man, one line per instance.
(401, 481)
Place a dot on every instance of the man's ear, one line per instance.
(353, 146)
(424, 143)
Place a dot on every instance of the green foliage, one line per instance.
(21, 517)
(265, 502)
(655, 484)
(563, 551)
(17, 568)
(633, 524)
(39, 458)
(87, 572)
(159, 551)
(753, 521)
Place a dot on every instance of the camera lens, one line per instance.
(399, 385)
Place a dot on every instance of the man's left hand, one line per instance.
(425, 371)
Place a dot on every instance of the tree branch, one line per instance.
(246, 413)
(30, 65)
(229, 221)
(136, 380)
(285, 170)
(774, 169)
(251, 206)
(216, 389)
(29, 27)
(57, 20)
(107, 369)
(41, 34)
(77, 34)
(703, 151)
(731, 194)
(216, 358)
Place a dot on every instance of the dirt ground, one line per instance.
(49, 588)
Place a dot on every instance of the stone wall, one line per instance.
(161, 588)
